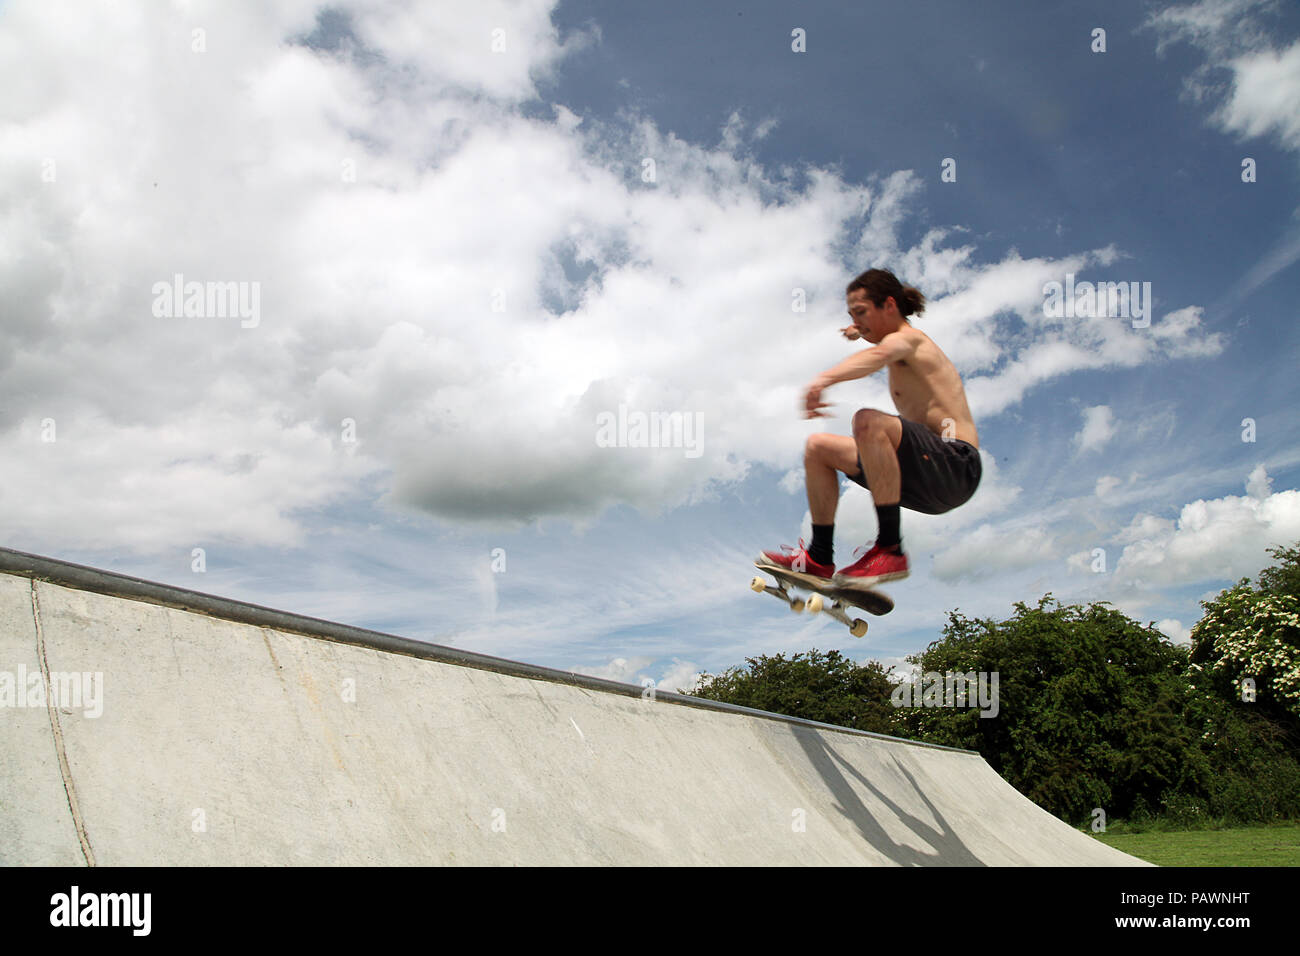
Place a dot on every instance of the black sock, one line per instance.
(887, 538)
(821, 550)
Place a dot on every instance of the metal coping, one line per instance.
(83, 578)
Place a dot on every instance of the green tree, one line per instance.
(1247, 635)
(1090, 707)
(1253, 634)
(827, 687)
(1254, 774)
(1284, 578)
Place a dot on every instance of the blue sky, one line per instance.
(444, 212)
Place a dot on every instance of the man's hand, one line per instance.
(812, 401)
(851, 333)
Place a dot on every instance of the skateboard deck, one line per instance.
(866, 598)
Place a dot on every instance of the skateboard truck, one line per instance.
(842, 598)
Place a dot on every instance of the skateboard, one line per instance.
(864, 597)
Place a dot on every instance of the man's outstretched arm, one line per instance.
(892, 348)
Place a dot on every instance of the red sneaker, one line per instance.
(795, 561)
(874, 567)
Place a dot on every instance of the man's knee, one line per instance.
(817, 447)
(869, 422)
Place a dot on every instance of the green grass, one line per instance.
(1251, 846)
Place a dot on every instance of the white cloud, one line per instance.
(1042, 349)
(1223, 538)
(792, 482)
(1258, 484)
(495, 47)
(1264, 80)
(1106, 484)
(682, 675)
(1098, 429)
(1264, 96)
(1175, 631)
(622, 669)
(1180, 333)
(989, 551)
(1216, 25)
(230, 474)
(678, 674)
(903, 669)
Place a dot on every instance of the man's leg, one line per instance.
(876, 435)
(824, 456)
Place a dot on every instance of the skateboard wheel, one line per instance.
(858, 628)
(814, 603)
(797, 605)
(757, 584)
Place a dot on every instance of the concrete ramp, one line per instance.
(226, 733)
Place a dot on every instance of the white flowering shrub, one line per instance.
(1248, 634)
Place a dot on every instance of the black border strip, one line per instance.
(109, 583)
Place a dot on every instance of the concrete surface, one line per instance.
(232, 734)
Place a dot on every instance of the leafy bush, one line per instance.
(1248, 634)
(1090, 710)
(828, 687)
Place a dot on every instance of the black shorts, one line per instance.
(938, 474)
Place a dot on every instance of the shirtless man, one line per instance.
(926, 458)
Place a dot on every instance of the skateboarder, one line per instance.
(926, 458)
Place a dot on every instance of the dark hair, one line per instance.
(880, 284)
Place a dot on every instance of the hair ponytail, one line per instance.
(912, 303)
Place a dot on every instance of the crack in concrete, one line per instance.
(59, 746)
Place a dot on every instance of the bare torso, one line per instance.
(927, 389)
